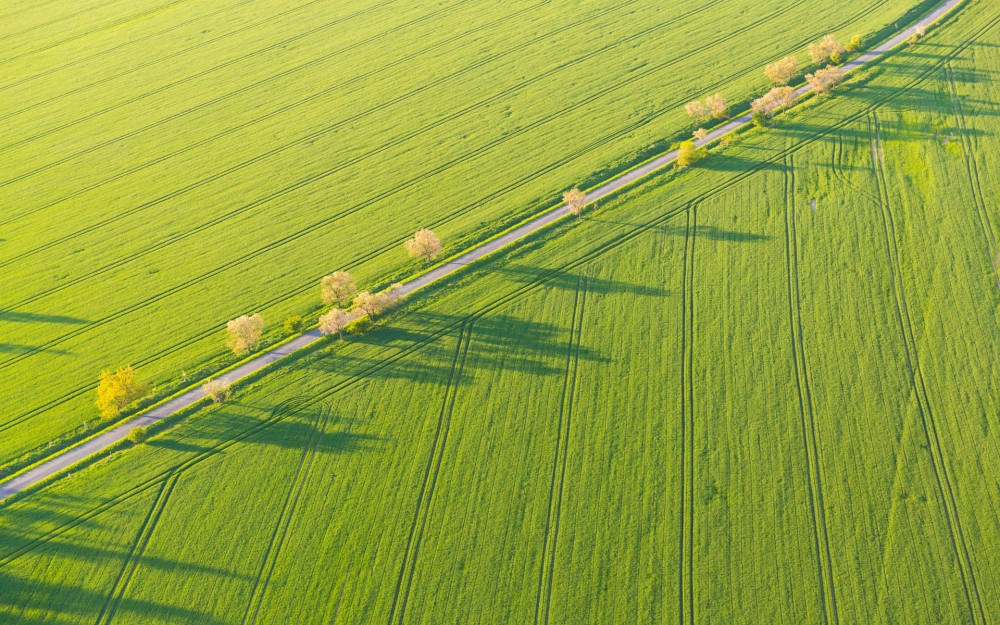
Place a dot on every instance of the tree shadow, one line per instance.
(526, 346)
(730, 162)
(18, 349)
(176, 445)
(570, 282)
(76, 603)
(713, 233)
(26, 317)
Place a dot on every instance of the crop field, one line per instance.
(168, 166)
(762, 390)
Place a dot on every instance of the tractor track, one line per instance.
(685, 567)
(425, 499)
(280, 533)
(928, 420)
(810, 437)
(972, 170)
(559, 458)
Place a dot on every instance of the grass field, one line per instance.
(760, 391)
(167, 167)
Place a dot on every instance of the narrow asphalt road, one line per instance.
(72, 456)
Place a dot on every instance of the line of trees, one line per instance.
(121, 389)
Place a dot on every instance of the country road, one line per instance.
(76, 454)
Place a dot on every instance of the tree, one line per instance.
(828, 48)
(824, 80)
(245, 334)
(783, 71)
(917, 35)
(784, 96)
(575, 200)
(218, 390)
(765, 107)
(138, 435)
(697, 110)
(338, 288)
(700, 134)
(293, 325)
(334, 321)
(688, 154)
(854, 45)
(372, 304)
(424, 243)
(718, 106)
(116, 391)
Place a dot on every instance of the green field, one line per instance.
(760, 391)
(165, 167)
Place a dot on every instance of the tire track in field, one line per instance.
(838, 168)
(542, 279)
(805, 142)
(305, 139)
(479, 151)
(273, 46)
(426, 497)
(131, 564)
(686, 548)
(810, 437)
(130, 42)
(927, 418)
(278, 413)
(26, 9)
(548, 563)
(52, 21)
(280, 533)
(109, 26)
(34, 589)
(972, 170)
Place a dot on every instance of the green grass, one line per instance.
(706, 402)
(167, 167)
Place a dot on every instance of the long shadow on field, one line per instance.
(570, 282)
(893, 128)
(31, 598)
(91, 550)
(292, 431)
(77, 549)
(26, 317)
(16, 349)
(521, 344)
(712, 233)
